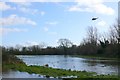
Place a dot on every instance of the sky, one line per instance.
(27, 22)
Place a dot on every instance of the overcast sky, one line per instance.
(27, 23)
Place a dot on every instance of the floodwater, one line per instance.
(66, 62)
(73, 63)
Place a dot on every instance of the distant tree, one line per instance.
(73, 49)
(24, 49)
(65, 43)
(18, 46)
(104, 44)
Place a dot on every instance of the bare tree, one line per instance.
(113, 35)
(92, 34)
(89, 44)
(65, 43)
(118, 30)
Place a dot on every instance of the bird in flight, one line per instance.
(94, 18)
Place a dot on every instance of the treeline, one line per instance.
(93, 44)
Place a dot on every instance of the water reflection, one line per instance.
(25, 75)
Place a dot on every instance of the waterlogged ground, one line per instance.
(49, 72)
(73, 63)
(99, 66)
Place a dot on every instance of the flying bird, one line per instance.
(94, 18)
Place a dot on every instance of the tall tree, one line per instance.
(89, 44)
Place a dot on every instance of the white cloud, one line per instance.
(102, 24)
(42, 13)
(52, 23)
(95, 6)
(40, 0)
(23, 3)
(77, 8)
(23, 9)
(9, 30)
(46, 29)
(4, 6)
(52, 0)
(28, 10)
(15, 20)
(30, 43)
(53, 33)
